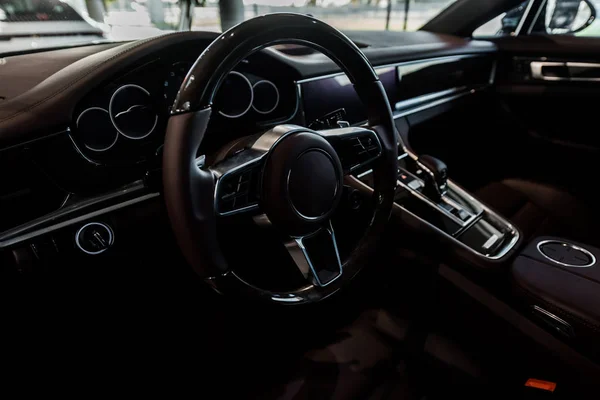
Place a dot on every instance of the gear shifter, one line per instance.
(435, 176)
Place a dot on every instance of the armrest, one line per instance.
(559, 281)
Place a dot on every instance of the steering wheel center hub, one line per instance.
(302, 182)
(313, 184)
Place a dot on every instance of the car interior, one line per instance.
(285, 211)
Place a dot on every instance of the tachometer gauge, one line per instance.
(235, 96)
(132, 112)
(95, 130)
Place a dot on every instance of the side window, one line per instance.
(504, 24)
(552, 17)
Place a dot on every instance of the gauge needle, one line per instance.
(131, 109)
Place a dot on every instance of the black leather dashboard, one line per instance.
(48, 106)
(46, 93)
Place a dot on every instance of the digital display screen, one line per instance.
(322, 96)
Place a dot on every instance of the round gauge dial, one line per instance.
(235, 96)
(132, 111)
(174, 80)
(95, 129)
(266, 97)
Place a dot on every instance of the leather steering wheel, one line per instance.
(291, 173)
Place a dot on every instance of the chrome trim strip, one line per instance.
(515, 232)
(536, 70)
(567, 244)
(548, 314)
(395, 65)
(10, 241)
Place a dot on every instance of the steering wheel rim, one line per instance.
(190, 191)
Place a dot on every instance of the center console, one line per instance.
(426, 199)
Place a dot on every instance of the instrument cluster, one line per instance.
(125, 121)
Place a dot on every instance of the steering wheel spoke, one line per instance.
(356, 146)
(317, 256)
(237, 182)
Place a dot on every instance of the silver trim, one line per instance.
(299, 254)
(112, 119)
(537, 73)
(536, 70)
(251, 97)
(515, 232)
(11, 241)
(556, 318)
(276, 102)
(566, 244)
(116, 132)
(111, 237)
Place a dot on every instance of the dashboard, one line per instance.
(89, 133)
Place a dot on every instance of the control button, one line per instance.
(463, 215)
(238, 190)
(415, 184)
(409, 180)
(94, 238)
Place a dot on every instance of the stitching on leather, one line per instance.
(557, 309)
(82, 76)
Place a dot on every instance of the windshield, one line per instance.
(27, 24)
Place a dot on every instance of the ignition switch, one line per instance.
(94, 238)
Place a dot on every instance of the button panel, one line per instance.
(358, 150)
(238, 190)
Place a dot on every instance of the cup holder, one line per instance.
(566, 254)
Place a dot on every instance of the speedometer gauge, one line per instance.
(132, 112)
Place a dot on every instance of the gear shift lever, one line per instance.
(436, 177)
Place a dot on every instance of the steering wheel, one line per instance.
(294, 175)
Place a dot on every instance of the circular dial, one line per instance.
(266, 97)
(95, 129)
(174, 80)
(235, 96)
(132, 112)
